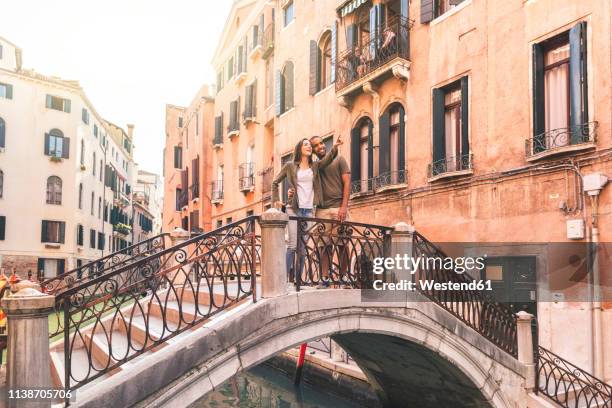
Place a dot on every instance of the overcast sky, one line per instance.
(131, 56)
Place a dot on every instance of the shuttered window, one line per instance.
(85, 116)
(6, 91)
(178, 157)
(234, 124)
(218, 140)
(250, 102)
(80, 233)
(391, 146)
(53, 232)
(288, 13)
(54, 190)
(57, 103)
(2, 133)
(56, 145)
(92, 238)
(285, 87)
(362, 156)
(101, 241)
(2, 227)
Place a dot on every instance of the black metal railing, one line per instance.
(357, 62)
(216, 190)
(568, 385)
(391, 178)
(363, 186)
(558, 139)
(450, 165)
(333, 253)
(104, 265)
(268, 41)
(246, 176)
(493, 320)
(111, 319)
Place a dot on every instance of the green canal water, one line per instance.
(266, 387)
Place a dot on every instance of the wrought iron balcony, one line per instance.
(246, 177)
(365, 186)
(451, 166)
(216, 194)
(268, 41)
(561, 140)
(370, 60)
(392, 178)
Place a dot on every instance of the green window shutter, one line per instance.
(370, 149)
(67, 105)
(61, 266)
(439, 139)
(314, 65)
(278, 101)
(334, 50)
(355, 155)
(49, 101)
(578, 82)
(43, 231)
(427, 11)
(2, 227)
(254, 98)
(401, 148)
(9, 91)
(47, 143)
(66, 148)
(384, 152)
(538, 98)
(465, 120)
(62, 227)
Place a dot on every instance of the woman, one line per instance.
(302, 174)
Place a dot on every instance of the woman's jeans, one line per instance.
(294, 242)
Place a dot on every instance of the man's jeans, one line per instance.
(294, 242)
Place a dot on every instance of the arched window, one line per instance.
(54, 190)
(362, 156)
(56, 145)
(391, 156)
(1, 183)
(80, 196)
(321, 63)
(286, 87)
(2, 132)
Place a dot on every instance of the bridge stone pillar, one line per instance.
(28, 361)
(524, 339)
(273, 253)
(401, 244)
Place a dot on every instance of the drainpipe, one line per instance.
(593, 184)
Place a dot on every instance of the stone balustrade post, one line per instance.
(401, 245)
(273, 253)
(524, 339)
(28, 361)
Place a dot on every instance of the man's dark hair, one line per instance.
(315, 137)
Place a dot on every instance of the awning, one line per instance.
(350, 6)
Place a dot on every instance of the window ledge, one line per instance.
(238, 79)
(233, 133)
(255, 52)
(451, 174)
(52, 245)
(248, 189)
(195, 200)
(391, 187)
(449, 13)
(250, 119)
(217, 146)
(287, 112)
(55, 159)
(561, 150)
(217, 202)
(361, 194)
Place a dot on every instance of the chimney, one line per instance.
(130, 131)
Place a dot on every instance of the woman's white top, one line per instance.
(305, 191)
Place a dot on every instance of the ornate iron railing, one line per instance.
(104, 265)
(268, 41)
(363, 186)
(493, 320)
(357, 62)
(333, 253)
(568, 385)
(109, 320)
(450, 164)
(391, 178)
(246, 176)
(557, 139)
(216, 190)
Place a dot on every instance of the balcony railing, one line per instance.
(362, 186)
(561, 140)
(450, 165)
(357, 62)
(246, 176)
(268, 41)
(391, 178)
(195, 190)
(216, 194)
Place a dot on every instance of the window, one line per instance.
(50, 268)
(284, 89)
(451, 148)
(178, 157)
(101, 241)
(288, 13)
(431, 9)
(80, 233)
(85, 116)
(6, 91)
(250, 101)
(2, 227)
(180, 121)
(218, 139)
(57, 103)
(93, 164)
(95, 130)
(230, 68)
(321, 63)
(82, 152)
(53, 232)
(219, 223)
(391, 146)
(92, 238)
(560, 109)
(234, 124)
(99, 207)
(100, 171)
(93, 199)
(177, 206)
(0, 51)
(2, 133)
(54, 190)
(1, 183)
(80, 196)
(56, 145)
(228, 220)
(219, 80)
(362, 156)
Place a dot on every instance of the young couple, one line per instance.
(323, 185)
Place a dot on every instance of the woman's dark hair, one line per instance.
(297, 152)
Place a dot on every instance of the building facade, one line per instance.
(148, 198)
(474, 121)
(65, 173)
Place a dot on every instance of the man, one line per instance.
(336, 186)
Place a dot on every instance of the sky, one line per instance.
(130, 56)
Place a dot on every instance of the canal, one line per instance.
(267, 387)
